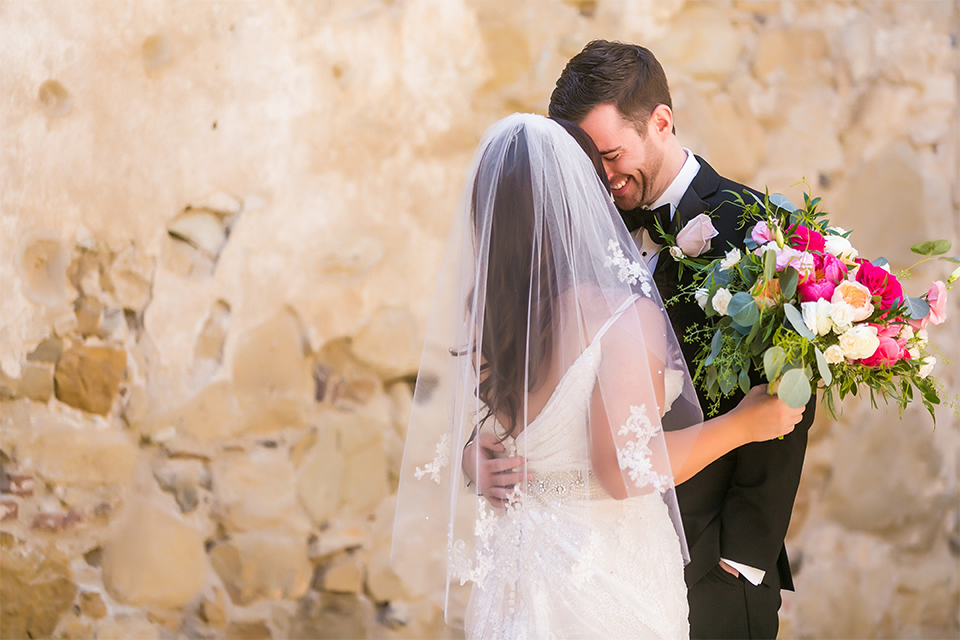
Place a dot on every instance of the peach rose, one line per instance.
(855, 295)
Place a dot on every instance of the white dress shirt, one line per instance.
(649, 252)
(672, 195)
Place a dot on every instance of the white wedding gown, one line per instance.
(564, 560)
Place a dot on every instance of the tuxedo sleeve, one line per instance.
(756, 512)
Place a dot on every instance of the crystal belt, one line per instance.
(559, 486)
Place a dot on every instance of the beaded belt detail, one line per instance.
(565, 485)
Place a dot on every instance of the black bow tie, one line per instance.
(647, 218)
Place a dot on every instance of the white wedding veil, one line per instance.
(540, 280)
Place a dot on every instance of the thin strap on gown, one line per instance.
(616, 315)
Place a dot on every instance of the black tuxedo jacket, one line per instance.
(739, 506)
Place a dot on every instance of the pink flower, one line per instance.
(828, 272)
(937, 299)
(890, 350)
(799, 260)
(762, 233)
(881, 283)
(694, 238)
(805, 239)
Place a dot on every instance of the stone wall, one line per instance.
(221, 224)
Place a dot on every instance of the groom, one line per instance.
(735, 512)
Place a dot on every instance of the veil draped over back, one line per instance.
(544, 317)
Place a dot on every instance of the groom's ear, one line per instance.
(660, 122)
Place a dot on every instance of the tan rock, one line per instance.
(334, 615)
(257, 490)
(695, 46)
(345, 575)
(89, 313)
(799, 55)
(44, 268)
(213, 607)
(248, 630)
(92, 605)
(261, 565)
(127, 627)
(318, 477)
(88, 377)
(271, 373)
(84, 457)
(36, 380)
(201, 229)
(154, 558)
(364, 479)
(185, 478)
(37, 589)
(342, 380)
(213, 414)
(131, 274)
(389, 342)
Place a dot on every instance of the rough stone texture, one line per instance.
(36, 590)
(239, 208)
(256, 490)
(88, 377)
(254, 566)
(154, 558)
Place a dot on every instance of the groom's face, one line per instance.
(633, 162)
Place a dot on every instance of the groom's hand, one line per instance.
(495, 477)
(726, 567)
(764, 416)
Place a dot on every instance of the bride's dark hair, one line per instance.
(518, 309)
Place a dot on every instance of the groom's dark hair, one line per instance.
(627, 76)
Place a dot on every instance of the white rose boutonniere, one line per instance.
(694, 238)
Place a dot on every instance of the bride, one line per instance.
(547, 336)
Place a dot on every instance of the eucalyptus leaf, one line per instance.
(727, 381)
(949, 259)
(744, 379)
(769, 264)
(715, 346)
(788, 282)
(796, 321)
(923, 248)
(917, 308)
(941, 246)
(932, 247)
(783, 202)
(823, 368)
(743, 309)
(742, 330)
(881, 261)
(773, 360)
(753, 332)
(794, 388)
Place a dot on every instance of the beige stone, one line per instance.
(92, 605)
(131, 275)
(154, 558)
(334, 615)
(185, 478)
(36, 380)
(797, 54)
(695, 46)
(389, 343)
(44, 268)
(318, 477)
(248, 631)
(127, 627)
(341, 380)
(345, 575)
(211, 415)
(257, 490)
(88, 377)
(262, 565)
(85, 457)
(213, 607)
(364, 479)
(37, 589)
(201, 229)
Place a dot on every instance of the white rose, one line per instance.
(859, 342)
(731, 259)
(816, 315)
(840, 247)
(701, 295)
(927, 367)
(833, 354)
(677, 253)
(842, 316)
(720, 301)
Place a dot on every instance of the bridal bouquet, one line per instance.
(802, 307)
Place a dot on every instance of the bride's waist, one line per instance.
(560, 486)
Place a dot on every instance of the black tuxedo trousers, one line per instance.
(739, 506)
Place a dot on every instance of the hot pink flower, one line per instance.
(890, 351)
(828, 272)
(762, 233)
(805, 239)
(881, 283)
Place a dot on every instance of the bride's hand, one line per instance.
(494, 477)
(764, 416)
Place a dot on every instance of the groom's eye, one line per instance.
(611, 158)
